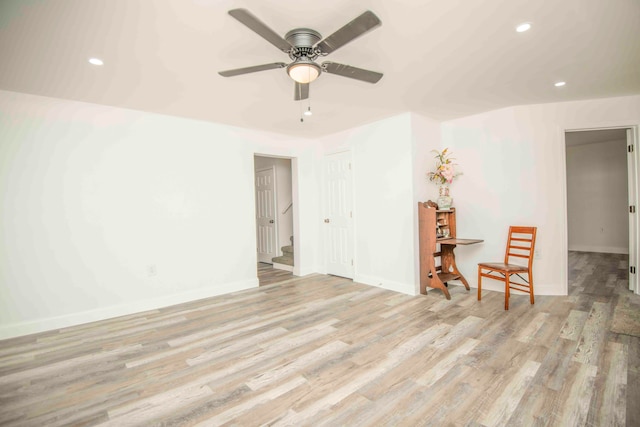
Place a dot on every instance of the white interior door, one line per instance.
(633, 215)
(339, 215)
(266, 215)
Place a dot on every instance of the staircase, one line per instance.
(284, 262)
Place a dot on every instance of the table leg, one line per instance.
(436, 283)
(449, 263)
(432, 281)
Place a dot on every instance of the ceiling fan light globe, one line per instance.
(303, 72)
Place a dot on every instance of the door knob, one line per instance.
(327, 220)
(270, 221)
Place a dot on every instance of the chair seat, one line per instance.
(511, 268)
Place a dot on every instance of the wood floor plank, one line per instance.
(504, 405)
(444, 399)
(572, 405)
(350, 412)
(138, 413)
(573, 326)
(247, 405)
(556, 363)
(593, 334)
(446, 363)
(612, 409)
(527, 333)
(633, 381)
(300, 363)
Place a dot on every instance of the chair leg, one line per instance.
(479, 283)
(531, 288)
(507, 281)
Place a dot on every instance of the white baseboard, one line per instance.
(73, 319)
(599, 249)
(490, 285)
(284, 267)
(539, 289)
(405, 288)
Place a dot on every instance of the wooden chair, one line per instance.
(521, 244)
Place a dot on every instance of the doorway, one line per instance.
(274, 213)
(601, 188)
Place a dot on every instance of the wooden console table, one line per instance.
(438, 227)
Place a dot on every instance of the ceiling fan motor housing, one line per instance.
(302, 40)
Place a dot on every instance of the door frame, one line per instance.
(636, 159)
(298, 254)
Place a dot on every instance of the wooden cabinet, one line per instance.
(438, 239)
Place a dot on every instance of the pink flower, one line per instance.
(448, 172)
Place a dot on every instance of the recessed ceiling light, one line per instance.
(560, 84)
(96, 61)
(525, 26)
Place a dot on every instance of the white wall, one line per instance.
(107, 211)
(94, 196)
(514, 174)
(284, 196)
(426, 137)
(383, 201)
(597, 199)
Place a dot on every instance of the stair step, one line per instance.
(286, 260)
(287, 249)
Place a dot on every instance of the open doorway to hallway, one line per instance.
(600, 189)
(274, 214)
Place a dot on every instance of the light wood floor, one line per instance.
(322, 350)
(268, 275)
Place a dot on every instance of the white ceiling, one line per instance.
(441, 58)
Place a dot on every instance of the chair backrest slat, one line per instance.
(527, 235)
(520, 256)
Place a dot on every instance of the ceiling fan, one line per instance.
(303, 46)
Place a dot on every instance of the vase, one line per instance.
(444, 200)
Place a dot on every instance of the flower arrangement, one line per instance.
(445, 169)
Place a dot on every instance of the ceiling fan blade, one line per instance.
(354, 29)
(301, 91)
(255, 68)
(351, 72)
(260, 28)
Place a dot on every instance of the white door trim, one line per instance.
(634, 236)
